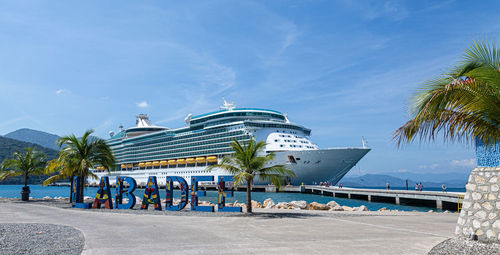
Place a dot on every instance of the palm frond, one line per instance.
(462, 104)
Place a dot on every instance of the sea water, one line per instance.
(37, 191)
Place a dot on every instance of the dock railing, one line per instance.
(460, 202)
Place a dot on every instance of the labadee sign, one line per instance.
(152, 194)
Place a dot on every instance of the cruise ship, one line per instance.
(149, 150)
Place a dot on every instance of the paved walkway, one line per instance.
(336, 233)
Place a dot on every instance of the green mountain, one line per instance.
(34, 136)
(8, 146)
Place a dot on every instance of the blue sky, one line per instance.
(345, 69)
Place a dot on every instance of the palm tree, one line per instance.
(246, 165)
(61, 168)
(80, 155)
(31, 162)
(463, 104)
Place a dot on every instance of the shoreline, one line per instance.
(333, 208)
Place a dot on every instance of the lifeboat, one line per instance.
(201, 160)
(212, 159)
(172, 162)
(129, 166)
(149, 163)
(163, 162)
(181, 161)
(142, 164)
(100, 168)
(156, 163)
(124, 166)
(191, 160)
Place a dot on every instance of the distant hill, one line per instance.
(41, 138)
(380, 180)
(8, 146)
(34, 136)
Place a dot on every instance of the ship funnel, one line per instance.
(143, 121)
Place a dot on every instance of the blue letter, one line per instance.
(184, 187)
(129, 193)
(221, 188)
(195, 193)
(151, 195)
(75, 195)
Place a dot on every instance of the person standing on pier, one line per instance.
(416, 187)
(443, 187)
(388, 185)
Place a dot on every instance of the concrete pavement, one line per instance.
(309, 233)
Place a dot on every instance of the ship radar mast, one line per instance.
(188, 118)
(227, 106)
(363, 141)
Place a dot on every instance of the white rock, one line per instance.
(481, 215)
(361, 208)
(484, 188)
(269, 204)
(494, 187)
(492, 196)
(476, 224)
(47, 197)
(490, 233)
(466, 205)
(283, 205)
(487, 206)
(470, 186)
(332, 204)
(476, 196)
(347, 208)
(496, 224)
(299, 205)
(492, 215)
(336, 208)
(480, 180)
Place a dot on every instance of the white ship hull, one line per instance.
(310, 166)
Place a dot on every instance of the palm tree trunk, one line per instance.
(249, 196)
(81, 184)
(25, 180)
(71, 189)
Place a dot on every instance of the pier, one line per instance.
(437, 199)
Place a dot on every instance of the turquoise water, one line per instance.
(37, 191)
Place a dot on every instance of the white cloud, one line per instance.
(59, 91)
(402, 171)
(433, 166)
(142, 104)
(464, 162)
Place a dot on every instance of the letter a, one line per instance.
(151, 195)
(103, 195)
